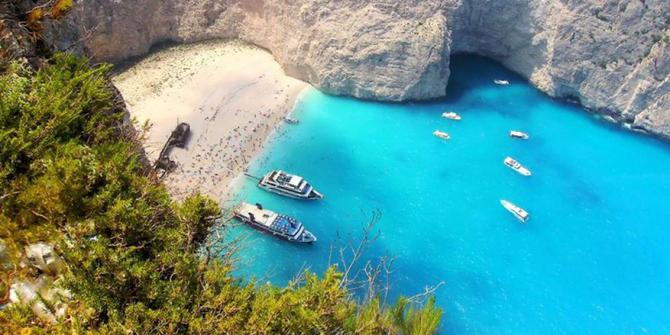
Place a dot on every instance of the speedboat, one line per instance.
(516, 166)
(279, 225)
(501, 82)
(291, 120)
(441, 134)
(518, 212)
(451, 116)
(518, 134)
(289, 185)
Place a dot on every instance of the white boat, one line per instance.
(290, 185)
(268, 221)
(516, 166)
(451, 116)
(291, 120)
(518, 212)
(501, 82)
(441, 134)
(518, 134)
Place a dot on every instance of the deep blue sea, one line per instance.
(593, 259)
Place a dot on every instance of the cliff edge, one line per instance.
(612, 56)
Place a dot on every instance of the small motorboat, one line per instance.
(451, 116)
(516, 166)
(291, 120)
(441, 134)
(279, 225)
(518, 212)
(501, 82)
(518, 134)
(289, 185)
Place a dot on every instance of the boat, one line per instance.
(518, 212)
(291, 120)
(518, 134)
(451, 116)
(501, 82)
(289, 185)
(516, 166)
(279, 225)
(441, 134)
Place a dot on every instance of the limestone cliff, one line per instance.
(613, 56)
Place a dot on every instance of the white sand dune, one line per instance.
(232, 94)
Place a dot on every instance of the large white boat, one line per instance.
(518, 212)
(268, 221)
(501, 82)
(289, 185)
(441, 134)
(451, 116)
(516, 166)
(518, 134)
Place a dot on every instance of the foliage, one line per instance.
(52, 9)
(69, 175)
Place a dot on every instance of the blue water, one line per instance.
(593, 259)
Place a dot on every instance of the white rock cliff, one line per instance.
(613, 56)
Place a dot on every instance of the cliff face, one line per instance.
(614, 56)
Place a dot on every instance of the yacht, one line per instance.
(441, 134)
(279, 225)
(518, 134)
(451, 116)
(518, 212)
(516, 166)
(501, 82)
(291, 120)
(288, 185)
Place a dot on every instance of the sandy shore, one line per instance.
(233, 96)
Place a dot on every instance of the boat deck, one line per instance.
(261, 216)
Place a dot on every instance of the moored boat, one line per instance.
(516, 166)
(279, 225)
(501, 82)
(291, 120)
(286, 184)
(451, 116)
(518, 134)
(518, 212)
(441, 134)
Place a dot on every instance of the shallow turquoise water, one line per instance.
(593, 259)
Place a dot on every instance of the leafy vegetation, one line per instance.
(52, 9)
(71, 174)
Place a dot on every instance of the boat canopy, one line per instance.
(295, 181)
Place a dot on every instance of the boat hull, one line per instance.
(451, 116)
(279, 235)
(441, 135)
(514, 209)
(519, 135)
(312, 195)
(520, 169)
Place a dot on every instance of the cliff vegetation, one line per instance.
(136, 262)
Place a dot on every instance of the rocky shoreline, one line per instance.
(614, 58)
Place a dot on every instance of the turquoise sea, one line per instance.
(593, 259)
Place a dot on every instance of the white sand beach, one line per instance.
(232, 94)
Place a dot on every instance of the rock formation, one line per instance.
(613, 56)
